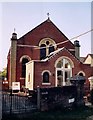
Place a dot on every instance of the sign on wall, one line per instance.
(15, 85)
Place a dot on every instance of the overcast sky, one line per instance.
(72, 18)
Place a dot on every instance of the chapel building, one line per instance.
(45, 57)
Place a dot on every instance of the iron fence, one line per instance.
(14, 104)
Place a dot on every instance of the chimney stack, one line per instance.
(77, 49)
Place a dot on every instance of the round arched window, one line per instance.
(47, 45)
(63, 63)
(45, 77)
(63, 71)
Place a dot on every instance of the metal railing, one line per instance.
(14, 104)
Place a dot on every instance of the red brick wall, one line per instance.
(45, 30)
(49, 65)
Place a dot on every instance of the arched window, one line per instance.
(48, 45)
(63, 71)
(81, 73)
(24, 61)
(45, 77)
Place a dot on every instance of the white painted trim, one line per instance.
(46, 83)
(30, 71)
(90, 78)
(63, 69)
(82, 73)
(71, 49)
(21, 78)
(25, 56)
(56, 78)
(64, 57)
(43, 41)
(45, 71)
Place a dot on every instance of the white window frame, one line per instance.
(63, 69)
(49, 77)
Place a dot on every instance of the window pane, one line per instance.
(60, 64)
(67, 64)
(51, 49)
(46, 77)
(67, 75)
(42, 52)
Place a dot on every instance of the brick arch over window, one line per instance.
(46, 71)
(25, 56)
(23, 60)
(81, 73)
(64, 57)
(46, 76)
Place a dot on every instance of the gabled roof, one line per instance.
(47, 29)
(82, 59)
(48, 21)
(52, 54)
(91, 55)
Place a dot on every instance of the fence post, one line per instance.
(10, 101)
(38, 97)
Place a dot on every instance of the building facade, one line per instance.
(45, 57)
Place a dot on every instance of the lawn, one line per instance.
(66, 114)
(58, 114)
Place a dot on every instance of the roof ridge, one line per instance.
(48, 20)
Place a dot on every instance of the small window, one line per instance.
(45, 77)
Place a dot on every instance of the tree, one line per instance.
(3, 73)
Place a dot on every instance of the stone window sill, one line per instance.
(46, 83)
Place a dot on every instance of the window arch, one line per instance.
(25, 56)
(81, 73)
(63, 58)
(47, 46)
(63, 71)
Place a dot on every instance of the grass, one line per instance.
(75, 114)
(58, 114)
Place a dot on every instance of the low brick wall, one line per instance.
(50, 98)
